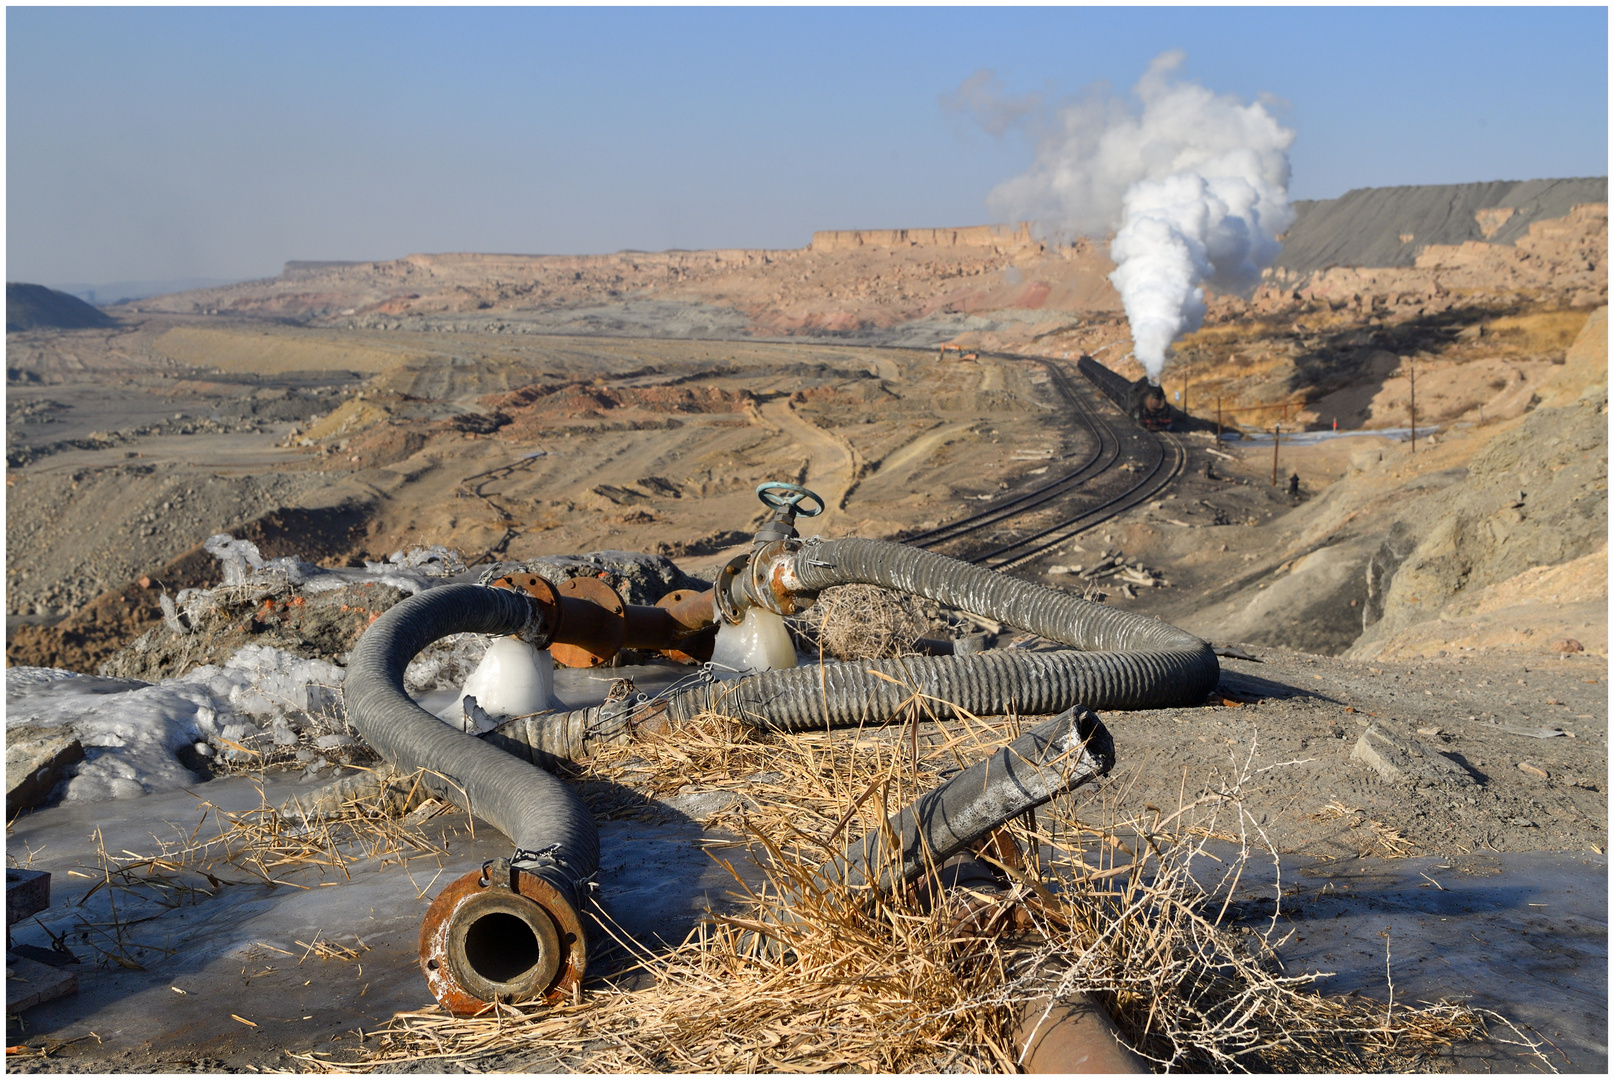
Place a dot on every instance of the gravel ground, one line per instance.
(1292, 750)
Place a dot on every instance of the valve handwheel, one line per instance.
(792, 499)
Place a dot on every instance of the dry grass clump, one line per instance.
(1149, 919)
(1375, 839)
(855, 622)
(1536, 332)
(1146, 913)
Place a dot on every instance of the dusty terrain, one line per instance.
(1454, 597)
(1282, 742)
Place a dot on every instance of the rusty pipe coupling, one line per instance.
(503, 933)
(584, 622)
(766, 578)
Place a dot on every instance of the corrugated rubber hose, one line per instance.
(554, 833)
(1044, 763)
(1116, 660)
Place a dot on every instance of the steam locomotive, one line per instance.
(1144, 401)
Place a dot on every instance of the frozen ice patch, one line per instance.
(133, 732)
(411, 571)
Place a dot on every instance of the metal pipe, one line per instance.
(588, 621)
(1071, 1034)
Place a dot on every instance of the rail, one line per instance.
(1164, 459)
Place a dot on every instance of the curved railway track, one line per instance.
(1015, 530)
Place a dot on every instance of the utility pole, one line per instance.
(1185, 393)
(1412, 399)
(1218, 419)
(1277, 436)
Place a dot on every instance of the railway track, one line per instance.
(1015, 530)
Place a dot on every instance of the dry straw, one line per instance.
(1146, 912)
(865, 621)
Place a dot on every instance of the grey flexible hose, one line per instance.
(1052, 758)
(1049, 760)
(1117, 659)
(554, 833)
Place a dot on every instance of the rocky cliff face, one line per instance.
(1002, 239)
(1535, 497)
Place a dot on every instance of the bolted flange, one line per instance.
(593, 623)
(501, 934)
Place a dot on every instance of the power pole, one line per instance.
(1277, 436)
(1412, 399)
(1218, 419)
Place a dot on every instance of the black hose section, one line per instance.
(1050, 613)
(1045, 762)
(553, 831)
(1117, 659)
(1057, 756)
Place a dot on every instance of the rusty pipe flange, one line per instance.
(593, 623)
(728, 579)
(501, 934)
(772, 582)
(697, 615)
(765, 578)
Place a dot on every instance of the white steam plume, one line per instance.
(1194, 183)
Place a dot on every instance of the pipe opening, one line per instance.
(502, 947)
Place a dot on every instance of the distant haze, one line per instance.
(160, 145)
(110, 292)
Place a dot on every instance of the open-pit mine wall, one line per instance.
(1391, 226)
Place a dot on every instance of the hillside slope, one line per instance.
(34, 307)
(1379, 227)
(1518, 550)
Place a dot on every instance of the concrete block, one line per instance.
(28, 982)
(36, 759)
(1399, 757)
(27, 893)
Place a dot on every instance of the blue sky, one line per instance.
(147, 144)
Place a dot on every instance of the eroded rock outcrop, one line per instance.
(1535, 498)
